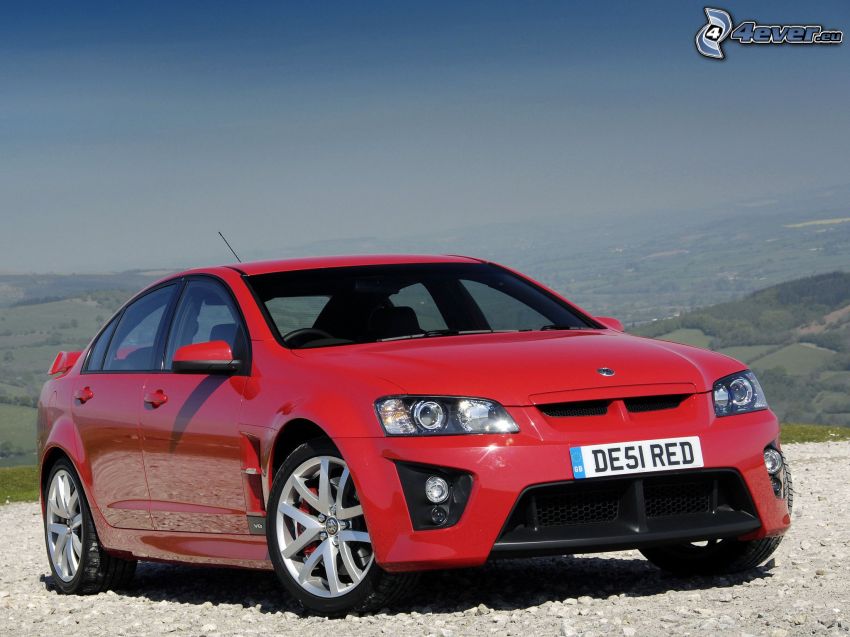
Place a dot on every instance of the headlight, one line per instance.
(738, 394)
(442, 415)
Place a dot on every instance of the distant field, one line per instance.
(17, 432)
(32, 334)
(797, 359)
(833, 402)
(698, 338)
(819, 222)
(37, 358)
(13, 390)
(18, 484)
(747, 353)
(793, 432)
(837, 376)
(73, 316)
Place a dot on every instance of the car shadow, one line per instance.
(504, 585)
(192, 404)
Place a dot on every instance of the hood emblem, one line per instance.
(606, 371)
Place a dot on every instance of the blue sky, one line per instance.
(131, 132)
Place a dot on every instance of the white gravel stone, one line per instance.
(805, 591)
(567, 629)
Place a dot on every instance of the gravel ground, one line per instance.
(804, 590)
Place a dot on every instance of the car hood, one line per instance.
(516, 368)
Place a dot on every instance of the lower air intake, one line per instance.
(628, 512)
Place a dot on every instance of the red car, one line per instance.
(350, 421)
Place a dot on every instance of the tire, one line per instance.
(78, 562)
(719, 557)
(333, 528)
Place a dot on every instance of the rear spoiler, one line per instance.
(63, 362)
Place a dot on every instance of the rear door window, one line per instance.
(98, 350)
(136, 342)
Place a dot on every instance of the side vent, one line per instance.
(252, 476)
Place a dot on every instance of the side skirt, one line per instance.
(212, 549)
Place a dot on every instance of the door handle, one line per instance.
(156, 399)
(84, 395)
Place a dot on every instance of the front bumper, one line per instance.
(503, 467)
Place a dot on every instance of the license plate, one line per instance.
(663, 454)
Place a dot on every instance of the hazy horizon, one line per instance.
(131, 134)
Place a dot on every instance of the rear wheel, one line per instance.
(318, 539)
(78, 562)
(719, 557)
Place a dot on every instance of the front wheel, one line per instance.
(318, 539)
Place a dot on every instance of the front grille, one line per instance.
(654, 403)
(583, 408)
(676, 498)
(626, 512)
(565, 509)
(635, 405)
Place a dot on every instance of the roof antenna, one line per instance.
(230, 246)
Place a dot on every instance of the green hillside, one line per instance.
(17, 435)
(796, 335)
(31, 333)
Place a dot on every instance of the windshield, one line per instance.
(366, 304)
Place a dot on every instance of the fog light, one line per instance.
(436, 489)
(439, 516)
(772, 460)
(777, 486)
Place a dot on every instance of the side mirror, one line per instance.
(214, 357)
(611, 322)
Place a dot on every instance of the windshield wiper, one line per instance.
(552, 326)
(446, 332)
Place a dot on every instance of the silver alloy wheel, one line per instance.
(320, 528)
(64, 525)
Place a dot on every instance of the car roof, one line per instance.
(314, 263)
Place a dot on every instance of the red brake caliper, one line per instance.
(308, 550)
